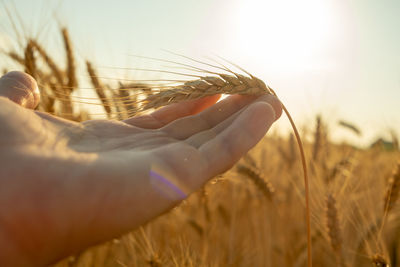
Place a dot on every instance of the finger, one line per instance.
(233, 142)
(20, 88)
(202, 137)
(188, 126)
(172, 112)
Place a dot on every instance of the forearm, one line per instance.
(67, 204)
(35, 205)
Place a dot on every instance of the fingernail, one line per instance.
(21, 88)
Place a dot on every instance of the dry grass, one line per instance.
(232, 222)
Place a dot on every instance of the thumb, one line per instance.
(20, 88)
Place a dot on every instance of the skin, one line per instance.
(65, 186)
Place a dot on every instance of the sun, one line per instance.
(285, 33)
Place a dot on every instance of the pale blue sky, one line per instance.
(336, 57)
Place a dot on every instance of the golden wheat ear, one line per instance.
(333, 228)
(259, 181)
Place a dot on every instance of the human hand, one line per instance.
(65, 186)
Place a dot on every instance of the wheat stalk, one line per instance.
(14, 56)
(30, 63)
(393, 190)
(317, 138)
(196, 226)
(49, 61)
(129, 93)
(255, 175)
(72, 82)
(98, 87)
(333, 227)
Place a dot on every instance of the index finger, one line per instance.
(167, 114)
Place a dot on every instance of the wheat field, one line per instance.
(254, 214)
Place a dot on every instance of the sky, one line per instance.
(337, 58)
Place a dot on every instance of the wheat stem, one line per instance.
(306, 185)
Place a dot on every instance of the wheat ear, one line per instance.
(317, 138)
(255, 175)
(205, 86)
(30, 63)
(393, 190)
(98, 87)
(49, 61)
(72, 82)
(333, 227)
(391, 196)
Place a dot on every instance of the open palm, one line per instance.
(65, 185)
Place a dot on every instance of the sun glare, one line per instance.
(286, 33)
